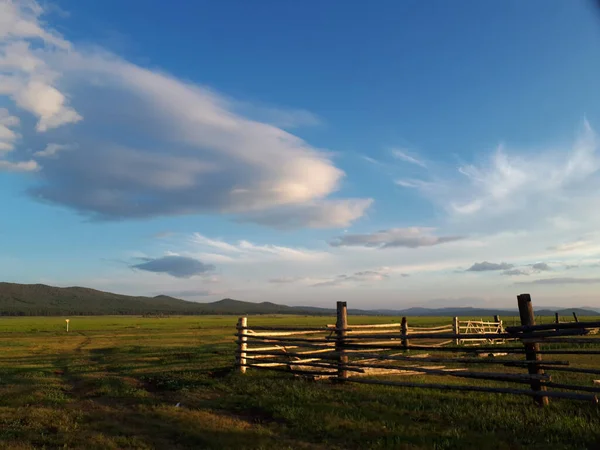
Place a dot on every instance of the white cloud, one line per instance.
(47, 103)
(20, 19)
(29, 81)
(21, 166)
(175, 147)
(405, 156)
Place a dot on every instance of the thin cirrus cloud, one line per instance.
(395, 237)
(410, 158)
(562, 280)
(362, 277)
(244, 251)
(511, 181)
(174, 148)
(176, 266)
(577, 245)
(500, 190)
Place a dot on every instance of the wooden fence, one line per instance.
(361, 353)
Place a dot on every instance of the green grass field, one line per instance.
(114, 383)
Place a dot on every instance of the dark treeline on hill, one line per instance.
(42, 300)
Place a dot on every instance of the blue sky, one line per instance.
(394, 154)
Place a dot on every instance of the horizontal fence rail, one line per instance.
(363, 353)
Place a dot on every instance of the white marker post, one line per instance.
(67, 320)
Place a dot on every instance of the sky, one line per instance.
(390, 154)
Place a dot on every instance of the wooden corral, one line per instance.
(362, 353)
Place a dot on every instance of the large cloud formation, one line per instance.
(148, 144)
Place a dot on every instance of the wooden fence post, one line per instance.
(498, 320)
(556, 318)
(456, 329)
(575, 316)
(242, 344)
(531, 350)
(341, 324)
(404, 331)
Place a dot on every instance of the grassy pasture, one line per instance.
(113, 382)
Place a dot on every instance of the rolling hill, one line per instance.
(42, 300)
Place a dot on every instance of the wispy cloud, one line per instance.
(285, 118)
(576, 245)
(244, 251)
(52, 150)
(405, 156)
(498, 189)
(371, 160)
(363, 277)
(396, 237)
(562, 280)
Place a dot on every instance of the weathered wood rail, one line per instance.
(362, 353)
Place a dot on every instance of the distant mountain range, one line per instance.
(41, 300)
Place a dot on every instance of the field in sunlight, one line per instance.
(133, 382)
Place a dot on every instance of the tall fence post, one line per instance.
(456, 329)
(498, 320)
(341, 324)
(531, 350)
(575, 316)
(556, 318)
(242, 344)
(404, 331)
